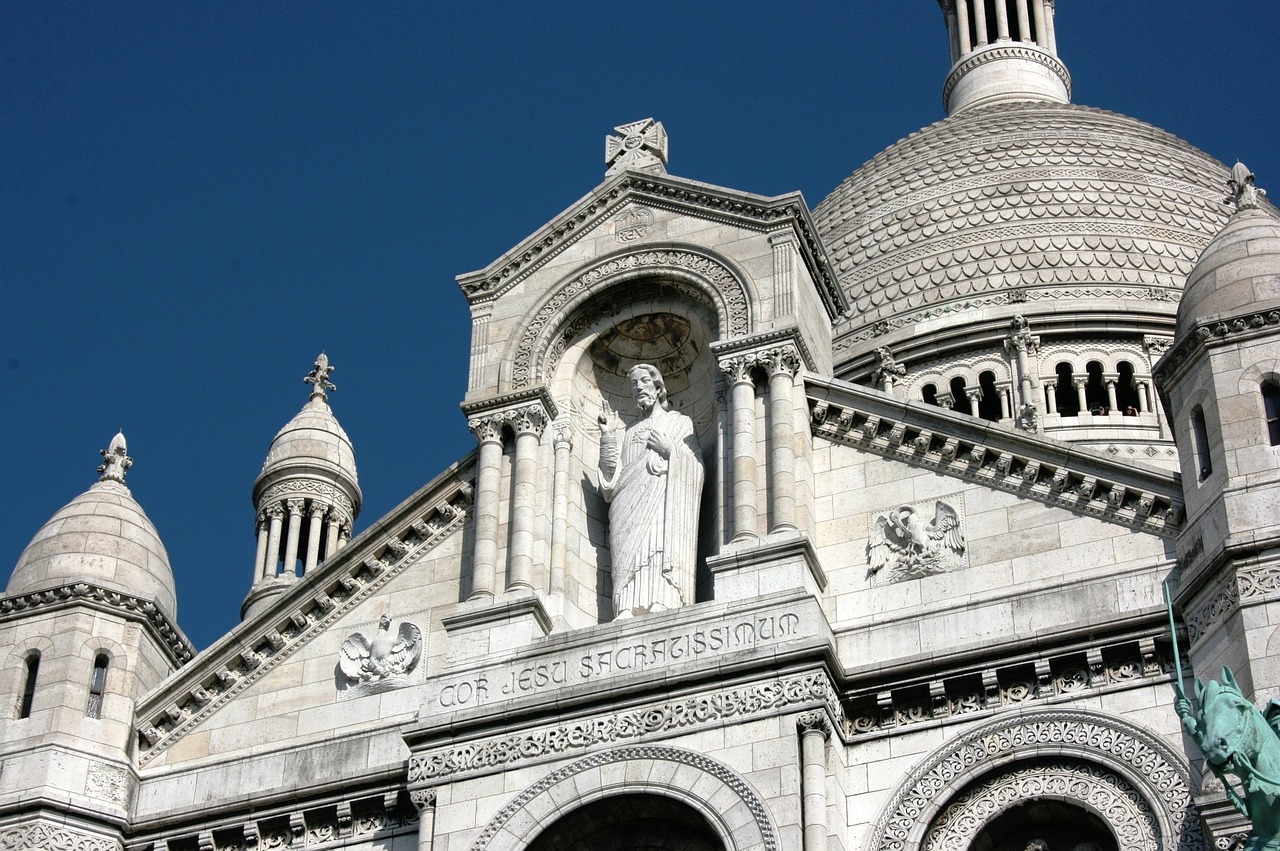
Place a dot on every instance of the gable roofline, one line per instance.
(675, 194)
(258, 645)
(1031, 465)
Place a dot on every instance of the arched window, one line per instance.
(989, 407)
(97, 685)
(961, 403)
(1271, 407)
(29, 685)
(1065, 394)
(1095, 392)
(929, 393)
(1200, 443)
(1127, 390)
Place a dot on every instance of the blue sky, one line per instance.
(195, 199)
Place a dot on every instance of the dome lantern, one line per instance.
(1002, 51)
(307, 496)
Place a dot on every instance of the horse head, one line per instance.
(1232, 725)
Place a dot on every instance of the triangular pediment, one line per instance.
(331, 597)
(603, 208)
(1031, 465)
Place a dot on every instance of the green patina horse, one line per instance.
(1243, 743)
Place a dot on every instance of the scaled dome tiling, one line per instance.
(1239, 271)
(314, 441)
(1004, 204)
(103, 537)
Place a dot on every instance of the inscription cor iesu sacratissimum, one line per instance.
(642, 653)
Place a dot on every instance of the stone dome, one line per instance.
(312, 444)
(1238, 272)
(1043, 209)
(101, 537)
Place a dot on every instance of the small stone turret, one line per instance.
(1002, 52)
(307, 496)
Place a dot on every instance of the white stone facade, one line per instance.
(956, 436)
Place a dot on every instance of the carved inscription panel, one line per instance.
(641, 653)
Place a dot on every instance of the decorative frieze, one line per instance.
(880, 711)
(1237, 589)
(1211, 333)
(343, 582)
(39, 836)
(132, 608)
(655, 720)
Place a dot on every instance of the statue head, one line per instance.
(647, 387)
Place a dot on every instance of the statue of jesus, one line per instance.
(651, 476)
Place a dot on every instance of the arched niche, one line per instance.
(699, 790)
(644, 321)
(630, 822)
(1101, 766)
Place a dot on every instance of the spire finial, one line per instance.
(319, 378)
(640, 145)
(115, 460)
(1244, 195)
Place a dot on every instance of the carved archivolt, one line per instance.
(1102, 792)
(1117, 759)
(604, 774)
(682, 272)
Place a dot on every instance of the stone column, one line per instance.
(1020, 343)
(783, 363)
(260, 558)
(1024, 21)
(331, 527)
(974, 395)
(528, 423)
(1002, 20)
(295, 531)
(1110, 381)
(314, 529)
(344, 533)
(980, 22)
(425, 801)
(963, 27)
(276, 515)
(814, 732)
(1080, 395)
(1037, 14)
(743, 427)
(562, 443)
(488, 430)
(1051, 397)
(1006, 411)
(1051, 37)
(1144, 404)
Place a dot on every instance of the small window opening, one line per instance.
(989, 407)
(929, 393)
(961, 403)
(1068, 400)
(1271, 404)
(1095, 391)
(1200, 443)
(1127, 390)
(29, 686)
(97, 685)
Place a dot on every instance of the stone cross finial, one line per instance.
(115, 460)
(1244, 195)
(640, 145)
(319, 378)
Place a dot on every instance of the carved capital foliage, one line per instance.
(530, 419)
(487, 428)
(814, 722)
(295, 506)
(781, 360)
(737, 368)
(562, 433)
(275, 511)
(423, 798)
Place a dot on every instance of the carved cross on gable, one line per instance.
(640, 146)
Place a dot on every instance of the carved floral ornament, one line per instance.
(691, 274)
(1088, 759)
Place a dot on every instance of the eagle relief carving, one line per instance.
(382, 663)
(905, 542)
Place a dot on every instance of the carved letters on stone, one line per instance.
(382, 663)
(910, 545)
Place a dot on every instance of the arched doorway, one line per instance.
(634, 822)
(1045, 825)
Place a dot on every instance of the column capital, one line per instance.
(423, 798)
(814, 722)
(764, 349)
(525, 410)
(562, 433)
(318, 508)
(784, 359)
(295, 506)
(529, 419)
(274, 511)
(737, 368)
